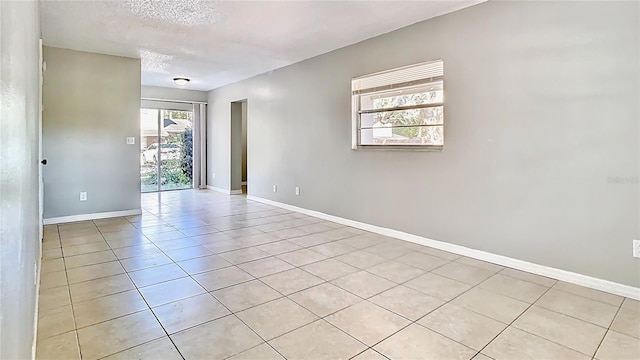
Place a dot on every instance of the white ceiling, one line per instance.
(215, 43)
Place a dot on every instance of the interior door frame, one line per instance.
(42, 65)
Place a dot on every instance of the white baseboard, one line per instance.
(220, 190)
(567, 276)
(224, 191)
(94, 216)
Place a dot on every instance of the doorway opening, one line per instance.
(239, 183)
(166, 150)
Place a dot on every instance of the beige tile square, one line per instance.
(260, 352)
(107, 307)
(171, 291)
(301, 257)
(54, 297)
(512, 287)
(324, 299)
(589, 293)
(484, 265)
(188, 253)
(100, 287)
(411, 304)
(361, 259)
(115, 335)
(89, 259)
(216, 339)
(155, 275)
(51, 253)
(92, 272)
(522, 275)
(136, 251)
(145, 261)
(389, 250)
(370, 354)
(464, 326)
(616, 346)
(395, 271)
(517, 344)
(85, 248)
(291, 281)
(592, 311)
(266, 266)
(59, 347)
(360, 241)
(246, 295)
(53, 279)
(561, 329)
(279, 247)
(332, 249)
(218, 279)
(329, 269)
(55, 321)
(631, 304)
(126, 240)
(51, 265)
(495, 306)
(243, 255)
(363, 284)
(367, 322)
(203, 264)
(439, 253)
(164, 236)
(627, 322)
(463, 273)
(160, 349)
(289, 316)
(318, 341)
(438, 286)
(421, 261)
(186, 313)
(417, 342)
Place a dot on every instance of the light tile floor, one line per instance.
(201, 275)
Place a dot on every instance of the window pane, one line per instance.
(414, 135)
(422, 94)
(413, 117)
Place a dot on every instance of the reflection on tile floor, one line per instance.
(202, 275)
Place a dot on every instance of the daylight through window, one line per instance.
(400, 108)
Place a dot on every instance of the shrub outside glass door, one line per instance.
(166, 150)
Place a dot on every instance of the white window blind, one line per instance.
(400, 77)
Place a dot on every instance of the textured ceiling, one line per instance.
(219, 42)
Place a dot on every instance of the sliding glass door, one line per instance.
(166, 149)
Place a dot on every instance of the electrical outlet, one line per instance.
(297, 190)
(275, 188)
(636, 248)
(213, 176)
(83, 196)
(131, 140)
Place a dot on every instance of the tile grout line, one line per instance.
(150, 310)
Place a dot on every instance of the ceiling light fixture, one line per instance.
(181, 81)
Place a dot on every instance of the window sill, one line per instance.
(410, 148)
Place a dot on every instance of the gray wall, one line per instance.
(91, 104)
(541, 157)
(19, 113)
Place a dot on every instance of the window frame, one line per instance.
(357, 111)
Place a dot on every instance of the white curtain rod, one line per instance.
(175, 101)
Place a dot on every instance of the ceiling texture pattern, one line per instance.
(215, 43)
